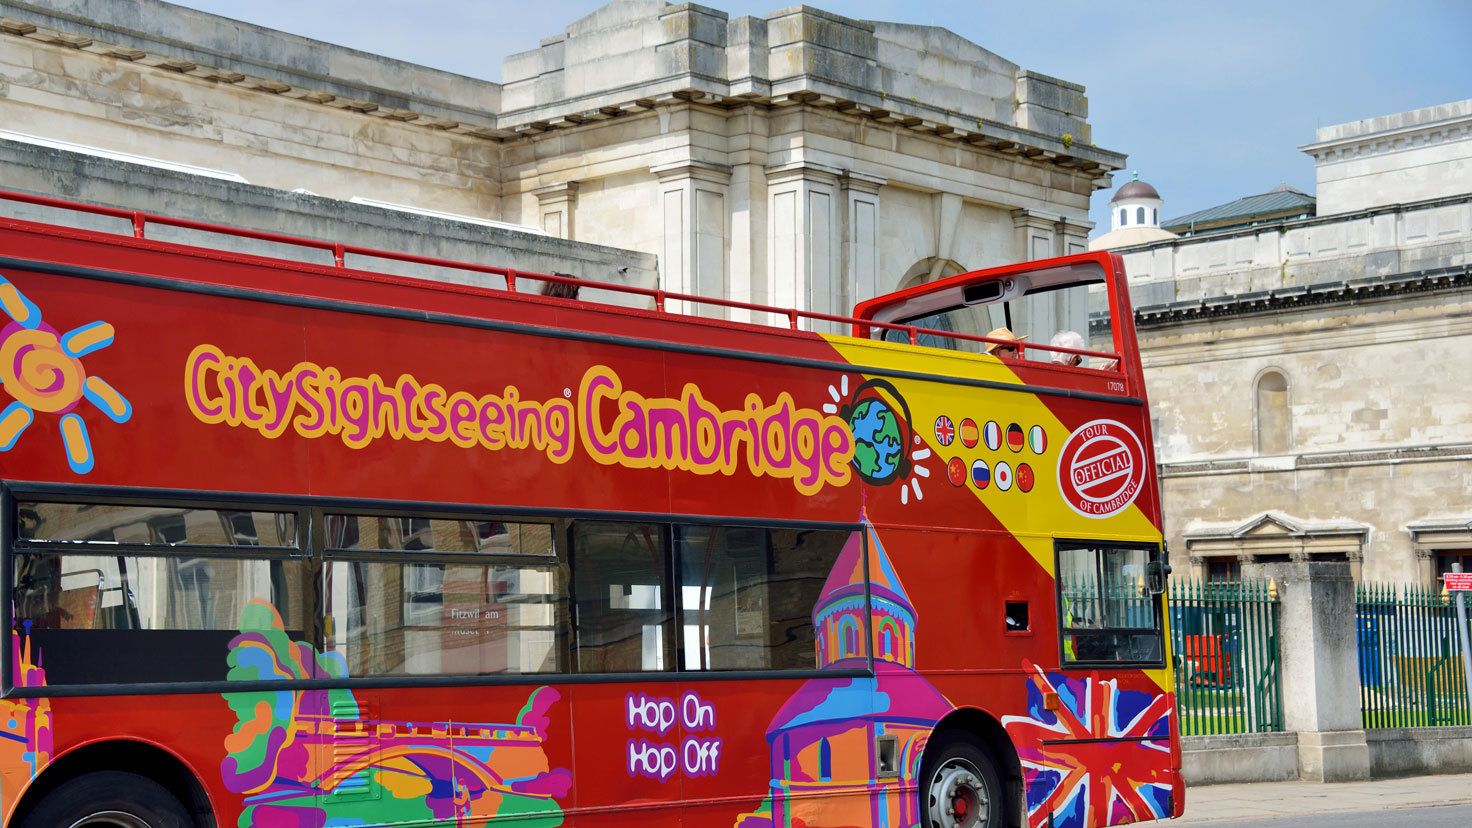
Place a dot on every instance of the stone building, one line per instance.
(801, 159)
(1308, 364)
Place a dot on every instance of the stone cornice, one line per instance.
(1395, 455)
(700, 170)
(1391, 140)
(1284, 225)
(979, 133)
(1303, 296)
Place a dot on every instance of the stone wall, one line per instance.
(1402, 238)
(1305, 377)
(1408, 156)
(1377, 420)
(793, 159)
(113, 183)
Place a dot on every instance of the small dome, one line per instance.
(1135, 189)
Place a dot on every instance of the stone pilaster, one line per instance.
(1037, 234)
(692, 215)
(802, 242)
(1075, 236)
(860, 238)
(556, 208)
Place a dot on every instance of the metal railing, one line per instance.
(1410, 665)
(1228, 676)
(663, 301)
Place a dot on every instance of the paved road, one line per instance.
(1445, 816)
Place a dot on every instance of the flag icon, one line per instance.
(1004, 476)
(1024, 477)
(992, 435)
(969, 433)
(1014, 437)
(945, 430)
(956, 471)
(1037, 439)
(981, 476)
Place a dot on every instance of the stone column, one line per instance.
(1320, 667)
(556, 206)
(860, 238)
(692, 256)
(1036, 234)
(802, 239)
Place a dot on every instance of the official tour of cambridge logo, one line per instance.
(1101, 468)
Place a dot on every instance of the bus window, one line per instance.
(1052, 303)
(411, 534)
(1037, 315)
(154, 524)
(747, 595)
(127, 618)
(624, 621)
(409, 595)
(447, 618)
(1110, 611)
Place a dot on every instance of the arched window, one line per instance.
(1124, 217)
(1154, 215)
(825, 761)
(1274, 418)
(1139, 215)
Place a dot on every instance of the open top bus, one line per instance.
(308, 545)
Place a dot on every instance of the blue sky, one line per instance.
(1210, 100)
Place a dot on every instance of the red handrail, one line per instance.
(140, 220)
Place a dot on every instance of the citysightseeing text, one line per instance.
(614, 425)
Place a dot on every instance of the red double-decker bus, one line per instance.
(299, 545)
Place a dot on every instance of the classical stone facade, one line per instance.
(802, 159)
(1309, 377)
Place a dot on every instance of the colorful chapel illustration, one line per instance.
(823, 738)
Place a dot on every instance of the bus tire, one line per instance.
(109, 798)
(959, 786)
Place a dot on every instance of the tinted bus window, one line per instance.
(747, 595)
(153, 524)
(447, 618)
(624, 620)
(119, 619)
(440, 535)
(1109, 612)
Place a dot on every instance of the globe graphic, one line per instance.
(877, 442)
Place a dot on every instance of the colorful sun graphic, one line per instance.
(42, 371)
(886, 447)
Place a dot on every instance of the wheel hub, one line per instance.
(958, 797)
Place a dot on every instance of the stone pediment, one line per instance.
(1269, 524)
(1277, 524)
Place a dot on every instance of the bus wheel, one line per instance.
(109, 799)
(960, 788)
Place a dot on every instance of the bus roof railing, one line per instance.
(139, 220)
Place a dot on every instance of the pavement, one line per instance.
(1278, 800)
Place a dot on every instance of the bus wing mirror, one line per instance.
(1156, 575)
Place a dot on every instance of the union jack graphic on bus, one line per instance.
(1077, 760)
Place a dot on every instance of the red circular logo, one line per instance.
(1024, 477)
(1101, 468)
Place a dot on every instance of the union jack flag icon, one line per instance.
(945, 430)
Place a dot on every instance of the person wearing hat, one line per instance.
(1003, 349)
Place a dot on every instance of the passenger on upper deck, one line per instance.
(999, 349)
(1067, 339)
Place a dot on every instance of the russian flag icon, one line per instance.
(981, 476)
